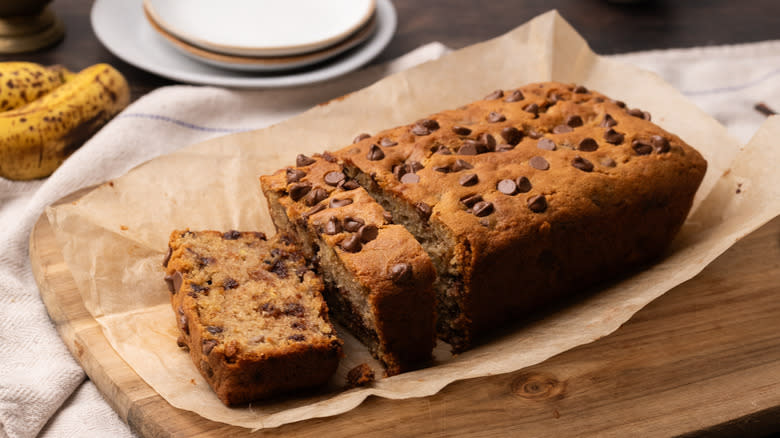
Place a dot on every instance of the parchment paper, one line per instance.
(115, 237)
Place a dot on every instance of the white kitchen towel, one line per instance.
(40, 383)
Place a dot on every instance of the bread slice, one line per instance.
(528, 196)
(251, 314)
(378, 279)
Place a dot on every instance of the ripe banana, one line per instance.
(23, 82)
(37, 137)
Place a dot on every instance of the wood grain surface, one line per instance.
(704, 359)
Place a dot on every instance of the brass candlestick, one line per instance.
(28, 25)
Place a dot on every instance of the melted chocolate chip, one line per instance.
(336, 203)
(352, 224)
(532, 108)
(208, 345)
(360, 138)
(167, 257)
(314, 210)
(315, 196)
(582, 164)
(279, 268)
(470, 200)
(424, 210)
(482, 208)
(507, 187)
(608, 162)
(299, 190)
(574, 121)
(498, 94)
(641, 148)
(174, 281)
(537, 204)
(349, 185)
(495, 117)
(546, 144)
(351, 243)
(231, 235)
(375, 153)
(294, 309)
(230, 284)
(213, 329)
(401, 273)
(425, 127)
(461, 130)
(613, 137)
(410, 178)
(588, 144)
(512, 135)
(579, 89)
(386, 142)
(535, 134)
(608, 122)
(333, 226)
(368, 233)
(562, 129)
(459, 165)
(660, 144)
(514, 96)
(334, 177)
(302, 160)
(297, 337)
(523, 184)
(539, 163)
(468, 179)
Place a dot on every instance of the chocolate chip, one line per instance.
(608, 162)
(314, 210)
(298, 325)
(482, 208)
(579, 89)
(294, 309)
(333, 226)
(368, 233)
(613, 137)
(336, 203)
(231, 235)
(184, 325)
(442, 169)
(495, 95)
(503, 147)
(440, 149)
(413, 166)
(182, 343)
(539, 163)
(349, 185)
(507, 187)
(208, 345)
(588, 144)
(461, 130)
(401, 273)
(299, 190)
(174, 281)
(167, 257)
(636, 112)
(660, 144)
(608, 121)
(535, 134)
(425, 127)
(279, 268)
(514, 96)
(537, 203)
(574, 121)
(297, 337)
(470, 200)
(532, 108)
(230, 284)
(546, 144)
(352, 224)
(641, 148)
(213, 329)
(619, 103)
(351, 243)
(555, 97)
(562, 129)
(410, 178)
(487, 140)
(523, 184)
(495, 117)
(315, 196)
(374, 153)
(327, 156)
(386, 142)
(360, 138)
(468, 148)
(388, 217)
(333, 178)
(582, 164)
(294, 175)
(512, 135)
(468, 179)
(302, 160)
(423, 209)
(459, 165)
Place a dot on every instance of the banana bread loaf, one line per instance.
(378, 279)
(251, 313)
(527, 196)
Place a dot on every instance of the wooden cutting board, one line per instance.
(702, 359)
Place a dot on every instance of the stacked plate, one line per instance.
(245, 43)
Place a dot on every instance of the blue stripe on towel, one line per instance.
(181, 123)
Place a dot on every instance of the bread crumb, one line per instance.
(361, 375)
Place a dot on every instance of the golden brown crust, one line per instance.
(250, 314)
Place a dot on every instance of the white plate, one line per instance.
(261, 27)
(265, 63)
(121, 26)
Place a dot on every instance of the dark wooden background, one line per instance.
(609, 27)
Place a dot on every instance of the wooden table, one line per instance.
(702, 359)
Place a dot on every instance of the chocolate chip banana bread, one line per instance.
(378, 279)
(251, 313)
(528, 196)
